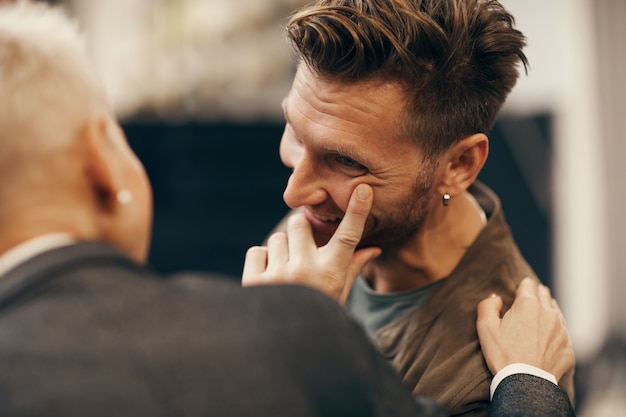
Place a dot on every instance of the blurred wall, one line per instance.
(609, 17)
(181, 60)
(565, 79)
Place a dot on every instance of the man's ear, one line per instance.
(100, 162)
(462, 163)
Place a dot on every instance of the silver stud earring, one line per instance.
(124, 197)
(446, 199)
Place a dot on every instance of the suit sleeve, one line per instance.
(523, 395)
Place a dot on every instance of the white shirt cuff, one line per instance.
(519, 368)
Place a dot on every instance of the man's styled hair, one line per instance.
(457, 60)
(46, 79)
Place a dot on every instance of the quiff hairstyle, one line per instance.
(457, 60)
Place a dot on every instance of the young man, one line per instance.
(399, 94)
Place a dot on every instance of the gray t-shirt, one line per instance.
(373, 311)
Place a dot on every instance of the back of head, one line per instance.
(65, 166)
(47, 85)
(457, 60)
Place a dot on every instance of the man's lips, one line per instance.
(322, 223)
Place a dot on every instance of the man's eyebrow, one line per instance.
(350, 153)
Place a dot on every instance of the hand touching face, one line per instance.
(294, 258)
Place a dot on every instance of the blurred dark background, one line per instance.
(217, 191)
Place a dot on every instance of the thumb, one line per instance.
(489, 311)
(359, 259)
(362, 257)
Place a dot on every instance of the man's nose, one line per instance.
(305, 186)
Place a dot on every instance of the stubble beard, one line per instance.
(397, 228)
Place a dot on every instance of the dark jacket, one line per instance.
(86, 332)
(523, 395)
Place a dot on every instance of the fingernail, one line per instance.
(363, 192)
(493, 295)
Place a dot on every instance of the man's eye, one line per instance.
(350, 163)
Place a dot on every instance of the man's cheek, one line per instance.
(344, 194)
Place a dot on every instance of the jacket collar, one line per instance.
(31, 248)
(50, 264)
(492, 243)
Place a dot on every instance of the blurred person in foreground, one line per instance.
(87, 331)
(399, 95)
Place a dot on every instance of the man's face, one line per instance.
(340, 135)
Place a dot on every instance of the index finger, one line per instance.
(350, 230)
(301, 242)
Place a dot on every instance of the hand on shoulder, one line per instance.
(532, 332)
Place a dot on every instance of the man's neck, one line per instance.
(30, 248)
(433, 253)
(32, 225)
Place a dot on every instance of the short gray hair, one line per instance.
(47, 84)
